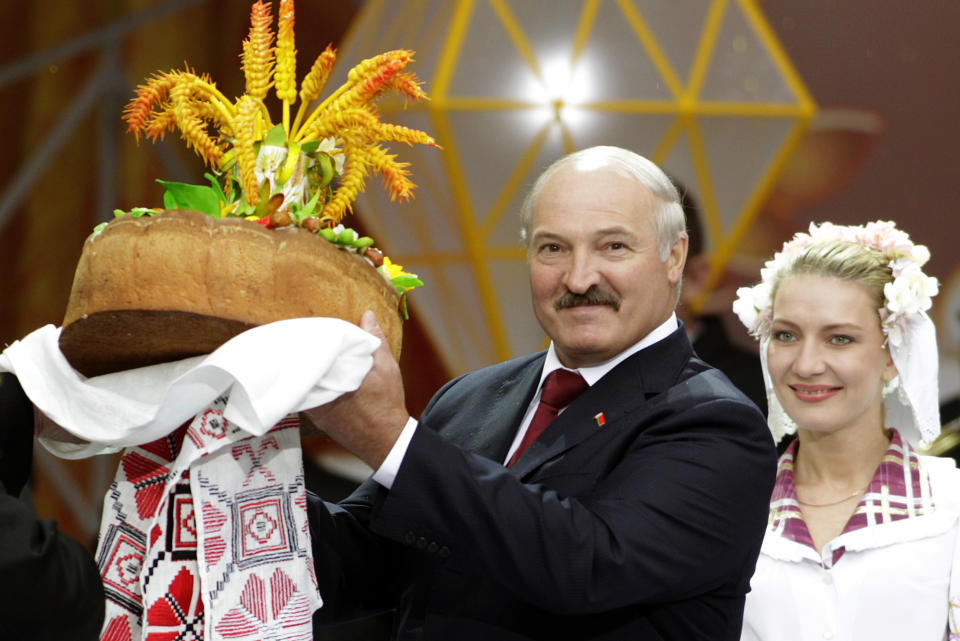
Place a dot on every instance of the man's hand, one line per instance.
(368, 421)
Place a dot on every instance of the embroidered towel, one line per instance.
(204, 532)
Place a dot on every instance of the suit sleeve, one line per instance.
(679, 511)
(57, 592)
(359, 573)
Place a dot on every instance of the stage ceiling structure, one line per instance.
(702, 87)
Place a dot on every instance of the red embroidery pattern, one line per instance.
(117, 629)
(213, 520)
(178, 616)
(256, 459)
(149, 478)
(209, 515)
(261, 610)
(209, 425)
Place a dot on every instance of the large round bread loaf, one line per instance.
(160, 288)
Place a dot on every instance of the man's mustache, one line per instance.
(593, 296)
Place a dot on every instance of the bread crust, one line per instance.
(180, 283)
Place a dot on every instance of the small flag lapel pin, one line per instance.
(601, 421)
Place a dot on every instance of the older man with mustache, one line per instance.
(611, 487)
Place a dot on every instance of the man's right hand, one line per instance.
(368, 420)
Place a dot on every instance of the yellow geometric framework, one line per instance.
(702, 87)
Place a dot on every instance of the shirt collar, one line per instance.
(594, 373)
(896, 492)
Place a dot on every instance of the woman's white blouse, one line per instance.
(894, 580)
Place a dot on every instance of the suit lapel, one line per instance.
(617, 395)
(499, 425)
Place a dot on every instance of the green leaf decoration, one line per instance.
(244, 208)
(276, 137)
(228, 162)
(406, 281)
(325, 169)
(261, 209)
(296, 214)
(230, 188)
(311, 205)
(310, 146)
(215, 185)
(136, 212)
(197, 197)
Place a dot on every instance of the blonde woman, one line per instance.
(862, 535)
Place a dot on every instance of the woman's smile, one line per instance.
(814, 393)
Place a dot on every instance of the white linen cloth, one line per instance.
(895, 581)
(209, 539)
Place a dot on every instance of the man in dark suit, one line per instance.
(636, 514)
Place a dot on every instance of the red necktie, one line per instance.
(560, 387)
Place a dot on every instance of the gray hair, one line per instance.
(669, 219)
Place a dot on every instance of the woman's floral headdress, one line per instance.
(914, 407)
(305, 170)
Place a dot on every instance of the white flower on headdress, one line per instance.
(920, 255)
(909, 293)
(829, 231)
(883, 236)
(752, 307)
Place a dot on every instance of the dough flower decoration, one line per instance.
(307, 168)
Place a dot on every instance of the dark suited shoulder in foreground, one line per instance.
(52, 588)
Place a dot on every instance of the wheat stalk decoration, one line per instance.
(307, 172)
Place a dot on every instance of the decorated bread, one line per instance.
(263, 239)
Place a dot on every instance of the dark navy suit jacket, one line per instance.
(646, 526)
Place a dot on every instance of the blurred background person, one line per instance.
(710, 329)
(52, 585)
